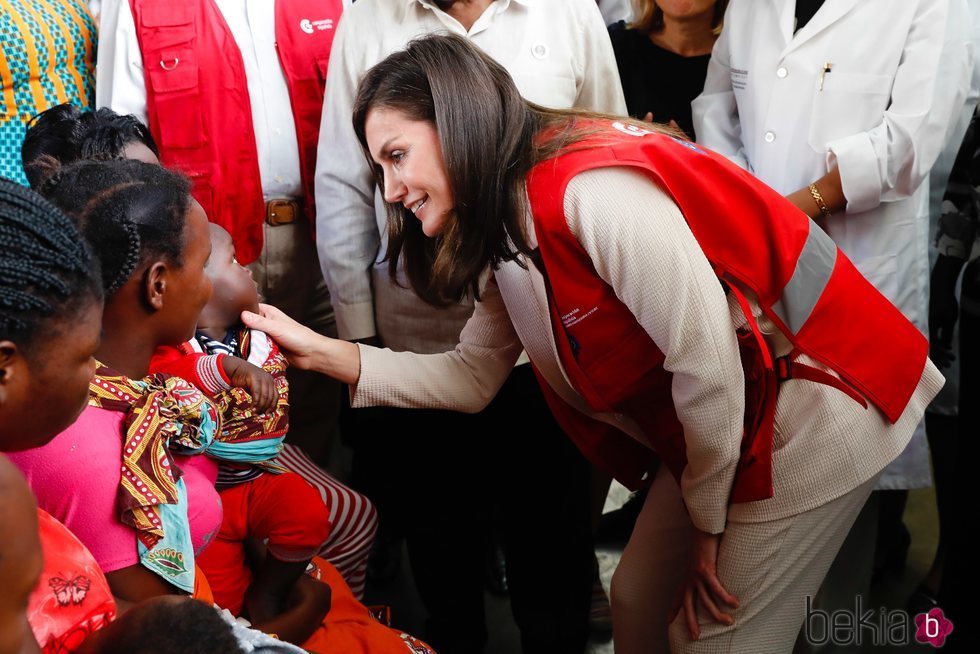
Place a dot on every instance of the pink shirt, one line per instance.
(75, 478)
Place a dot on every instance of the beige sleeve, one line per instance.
(465, 379)
(641, 245)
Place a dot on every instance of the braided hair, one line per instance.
(66, 134)
(128, 211)
(46, 272)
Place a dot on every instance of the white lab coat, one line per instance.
(878, 116)
(947, 402)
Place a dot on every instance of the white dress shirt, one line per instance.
(559, 54)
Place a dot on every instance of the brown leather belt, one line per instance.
(283, 212)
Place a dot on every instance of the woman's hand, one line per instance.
(702, 585)
(304, 347)
(297, 342)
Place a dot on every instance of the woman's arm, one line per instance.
(135, 583)
(829, 190)
(465, 379)
(715, 111)
(890, 161)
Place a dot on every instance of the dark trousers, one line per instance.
(447, 480)
(956, 593)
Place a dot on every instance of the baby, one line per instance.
(244, 373)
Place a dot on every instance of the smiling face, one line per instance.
(410, 157)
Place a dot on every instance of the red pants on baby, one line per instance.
(284, 510)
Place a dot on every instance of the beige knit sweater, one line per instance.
(825, 443)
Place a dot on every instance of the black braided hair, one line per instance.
(66, 134)
(170, 624)
(128, 211)
(46, 272)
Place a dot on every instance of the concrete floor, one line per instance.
(920, 517)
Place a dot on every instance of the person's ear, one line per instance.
(10, 366)
(155, 284)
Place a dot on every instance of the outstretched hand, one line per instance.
(304, 347)
(297, 342)
(702, 585)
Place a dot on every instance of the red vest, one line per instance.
(755, 240)
(198, 103)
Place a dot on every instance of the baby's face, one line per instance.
(234, 288)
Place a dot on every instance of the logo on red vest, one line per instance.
(576, 316)
(311, 26)
(632, 130)
(688, 144)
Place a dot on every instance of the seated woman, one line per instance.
(48, 336)
(65, 134)
(50, 319)
(145, 529)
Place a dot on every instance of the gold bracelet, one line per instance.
(815, 194)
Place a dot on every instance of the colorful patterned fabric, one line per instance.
(47, 57)
(248, 436)
(164, 415)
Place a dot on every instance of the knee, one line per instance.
(366, 528)
(620, 592)
(302, 517)
(370, 519)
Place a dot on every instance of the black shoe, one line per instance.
(600, 614)
(921, 601)
(497, 571)
(891, 552)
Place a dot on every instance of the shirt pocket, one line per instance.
(553, 90)
(849, 103)
(174, 78)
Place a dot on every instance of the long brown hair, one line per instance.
(490, 140)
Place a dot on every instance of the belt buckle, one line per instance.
(281, 212)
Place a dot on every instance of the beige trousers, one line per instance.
(770, 566)
(289, 277)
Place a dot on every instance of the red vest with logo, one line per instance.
(199, 109)
(755, 240)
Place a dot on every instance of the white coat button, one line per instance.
(770, 137)
(781, 72)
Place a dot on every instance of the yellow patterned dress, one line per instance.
(47, 57)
